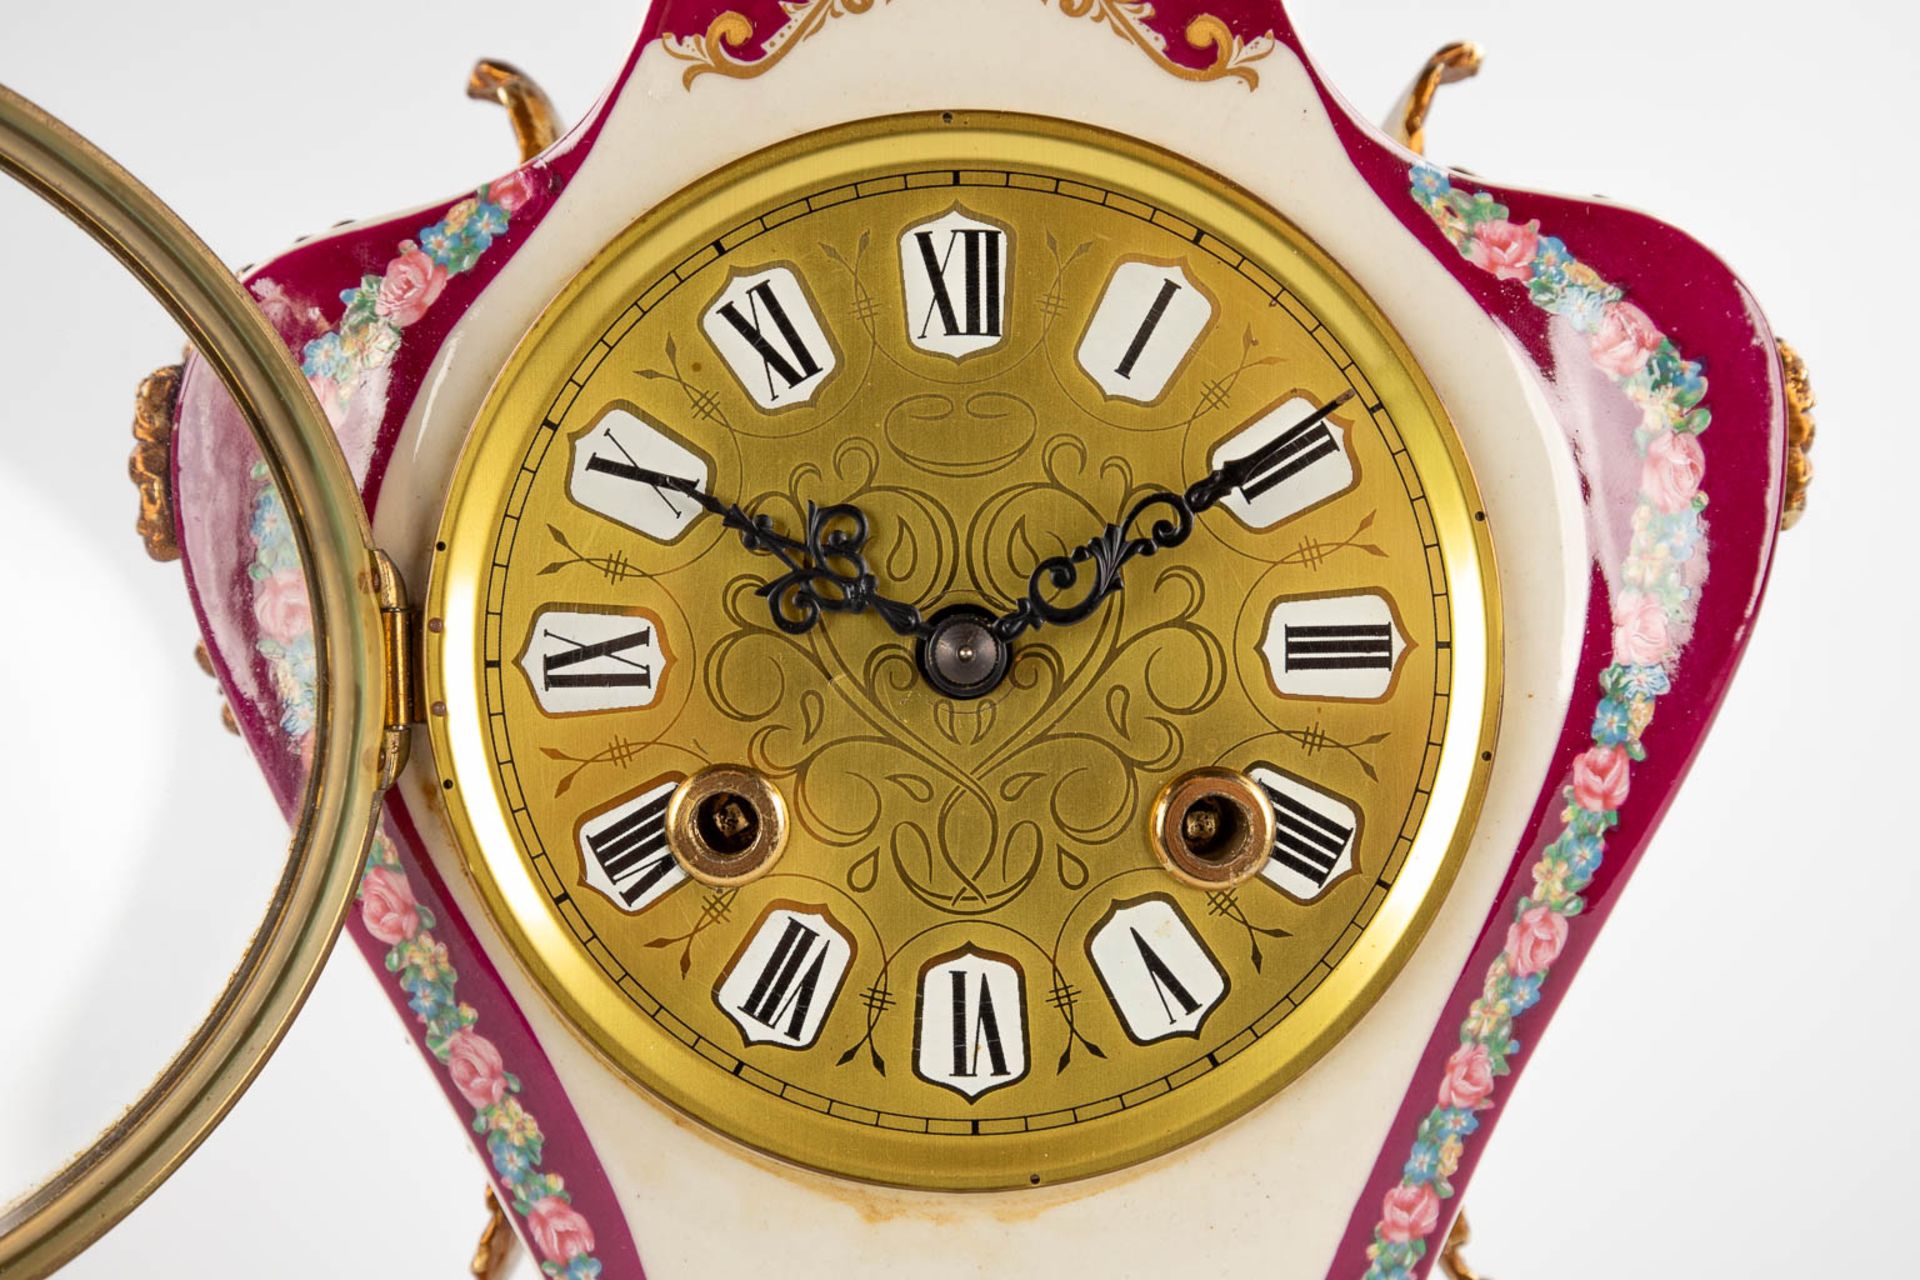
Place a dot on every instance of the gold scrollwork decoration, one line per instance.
(1800, 431)
(151, 464)
(715, 49)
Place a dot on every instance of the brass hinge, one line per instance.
(400, 643)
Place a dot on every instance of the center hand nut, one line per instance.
(962, 655)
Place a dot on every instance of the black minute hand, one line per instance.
(1228, 476)
(1167, 518)
(826, 569)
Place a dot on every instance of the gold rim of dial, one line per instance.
(784, 1121)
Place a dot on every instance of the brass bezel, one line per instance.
(52, 1223)
(479, 812)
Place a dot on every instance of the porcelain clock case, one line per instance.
(1566, 345)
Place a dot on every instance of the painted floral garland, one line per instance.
(342, 366)
(1653, 614)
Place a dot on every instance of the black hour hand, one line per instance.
(826, 568)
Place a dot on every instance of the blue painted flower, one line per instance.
(488, 219)
(1581, 306)
(1583, 856)
(1424, 1166)
(323, 358)
(1644, 682)
(1429, 183)
(1612, 724)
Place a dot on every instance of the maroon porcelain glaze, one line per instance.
(1694, 298)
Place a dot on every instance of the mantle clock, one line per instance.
(1000, 628)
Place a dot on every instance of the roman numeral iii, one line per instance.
(1347, 646)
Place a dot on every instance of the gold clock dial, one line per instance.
(967, 966)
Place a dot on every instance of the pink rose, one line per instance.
(1641, 634)
(1469, 1078)
(476, 1068)
(1600, 779)
(387, 907)
(1674, 467)
(1625, 340)
(1505, 248)
(281, 607)
(413, 282)
(1534, 940)
(1409, 1213)
(558, 1229)
(512, 191)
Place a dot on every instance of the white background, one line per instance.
(1727, 1089)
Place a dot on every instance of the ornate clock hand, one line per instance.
(1109, 550)
(826, 568)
